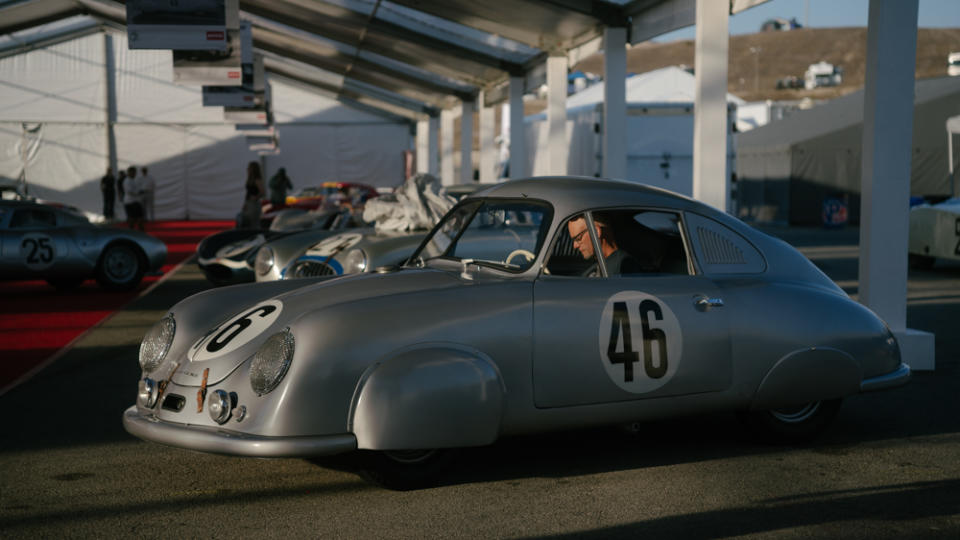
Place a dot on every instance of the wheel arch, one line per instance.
(432, 395)
(806, 375)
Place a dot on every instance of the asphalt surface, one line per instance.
(889, 467)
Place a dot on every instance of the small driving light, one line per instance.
(355, 262)
(219, 406)
(147, 393)
(271, 362)
(156, 343)
(264, 261)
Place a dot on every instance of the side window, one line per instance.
(33, 218)
(633, 241)
(720, 250)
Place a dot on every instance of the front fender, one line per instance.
(438, 395)
(806, 375)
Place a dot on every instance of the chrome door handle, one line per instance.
(703, 303)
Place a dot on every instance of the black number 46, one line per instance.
(621, 325)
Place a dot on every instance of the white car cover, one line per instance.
(417, 204)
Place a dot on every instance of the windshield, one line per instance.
(498, 233)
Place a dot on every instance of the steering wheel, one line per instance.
(526, 255)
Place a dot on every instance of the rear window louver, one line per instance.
(717, 249)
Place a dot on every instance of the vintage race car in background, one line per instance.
(934, 233)
(349, 252)
(477, 338)
(313, 197)
(227, 257)
(361, 250)
(39, 241)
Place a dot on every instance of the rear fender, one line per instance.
(437, 395)
(806, 375)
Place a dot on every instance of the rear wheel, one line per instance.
(795, 424)
(404, 470)
(121, 267)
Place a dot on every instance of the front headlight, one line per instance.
(156, 343)
(355, 262)
(271, 362)
(264, 261)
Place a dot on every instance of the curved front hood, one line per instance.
(219, 351)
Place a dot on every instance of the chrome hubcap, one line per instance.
(793, 415)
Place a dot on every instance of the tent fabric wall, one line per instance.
(198, 161)
(819, 148)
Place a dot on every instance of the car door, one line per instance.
(657, 333)
(32, 243)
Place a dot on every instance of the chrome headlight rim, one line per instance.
(355, 261)
(156, 343)
(264, 260)
(271, 362)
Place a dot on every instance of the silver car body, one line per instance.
(459, 351)
(227, 257)
(40, 241)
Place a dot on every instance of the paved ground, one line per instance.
(888, 467)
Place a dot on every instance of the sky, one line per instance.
(827, 14)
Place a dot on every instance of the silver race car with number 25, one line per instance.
(534, 305)
(59, 245)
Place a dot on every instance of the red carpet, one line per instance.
(36, 320)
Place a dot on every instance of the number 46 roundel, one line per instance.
(640, 341)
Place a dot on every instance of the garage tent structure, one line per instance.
(53, 129)
(786, 169)
(660, 127)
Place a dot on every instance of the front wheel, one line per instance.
(792, 425)
(404, 470)
(121, 267)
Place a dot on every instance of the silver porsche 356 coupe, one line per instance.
(40, 241)
(688, 310)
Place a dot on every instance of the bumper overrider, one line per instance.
(895, 378)
(224, 441)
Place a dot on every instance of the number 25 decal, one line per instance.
(237, 331)
(655, 361)
(37, 251)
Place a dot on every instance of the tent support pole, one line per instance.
(110, 99)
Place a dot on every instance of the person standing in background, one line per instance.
(148, 185)
(253, 193)
(133, 199)
(279, 184)
(108, 190)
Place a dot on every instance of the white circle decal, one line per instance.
(334, 244)
(37, 251)
(640, 341)
(237, 332)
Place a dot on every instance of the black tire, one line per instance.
(792, 425)
(921, 262)
(65, 283)
(121, 267)
(404, 470)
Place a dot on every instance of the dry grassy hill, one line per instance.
(757, 61)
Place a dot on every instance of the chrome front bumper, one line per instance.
(233, 443)
(895, 378)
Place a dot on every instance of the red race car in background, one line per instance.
(313, 197)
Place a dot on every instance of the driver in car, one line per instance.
(615, 259)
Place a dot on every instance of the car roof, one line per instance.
(572, 194)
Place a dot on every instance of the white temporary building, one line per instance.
(659, 130)
(53, 129)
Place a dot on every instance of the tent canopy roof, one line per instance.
(429, 52)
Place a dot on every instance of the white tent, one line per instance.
(659, 131)
(54, 117)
